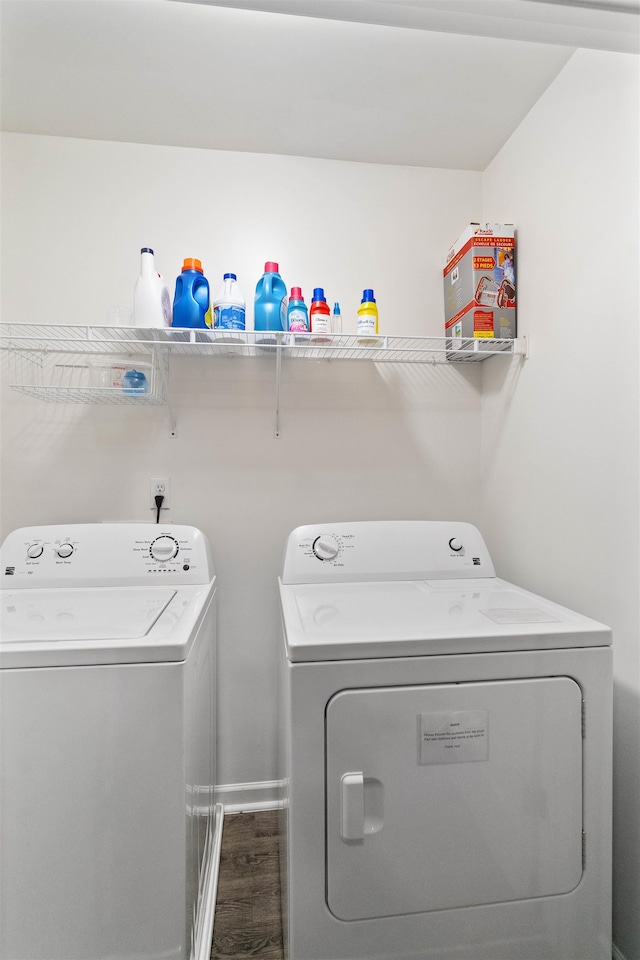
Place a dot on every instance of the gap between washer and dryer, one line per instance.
(248, 920)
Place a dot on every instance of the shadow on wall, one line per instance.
(400, 425)
(500, 382)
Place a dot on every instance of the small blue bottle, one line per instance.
(191, 300)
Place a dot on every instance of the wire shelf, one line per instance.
(86, 364)
(133, 341)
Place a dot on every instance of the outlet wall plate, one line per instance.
(162, 486)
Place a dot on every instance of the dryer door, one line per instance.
(451, 795)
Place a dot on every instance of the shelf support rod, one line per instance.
(173, 430)
(276, 428)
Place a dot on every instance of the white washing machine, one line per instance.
(109, 834)
(446, 746)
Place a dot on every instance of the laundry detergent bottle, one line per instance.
(270, 305)
(151, 300)
(297, 313)
(320, 314)
(191, 300)
(228, 306)
(367, 326)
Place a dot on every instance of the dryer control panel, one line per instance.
(105, 554)
(385, 550)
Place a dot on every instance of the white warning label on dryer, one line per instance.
(459, 736)
(525, 615)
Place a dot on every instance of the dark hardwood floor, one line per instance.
(247, 919)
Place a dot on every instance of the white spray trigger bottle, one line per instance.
(151, 300)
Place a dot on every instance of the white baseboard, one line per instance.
(209, 891)
(616, 954)
(248, 797)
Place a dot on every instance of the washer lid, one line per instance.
(64, 627)
(356, 621)
(88, 614)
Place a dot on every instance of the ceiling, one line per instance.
(600, 24)
(439, 83)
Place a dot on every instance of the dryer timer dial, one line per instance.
(326, 548)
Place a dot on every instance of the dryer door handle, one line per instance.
(352, 807)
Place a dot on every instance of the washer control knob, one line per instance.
(456, 544)
(325, 548)
(164, 548)
(34, 551)
(64, 550)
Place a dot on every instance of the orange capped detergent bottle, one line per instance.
(191, 301)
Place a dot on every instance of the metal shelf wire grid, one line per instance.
(90, 340)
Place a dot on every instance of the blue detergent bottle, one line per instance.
(270, 305)
(191, 300)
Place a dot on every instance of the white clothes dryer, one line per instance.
(109, 834)
(446, 748)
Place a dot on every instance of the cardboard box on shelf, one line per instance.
(480, 284)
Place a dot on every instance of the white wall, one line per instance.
(358, 441)
(560, 435)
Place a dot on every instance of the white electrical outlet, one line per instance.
(160, 486)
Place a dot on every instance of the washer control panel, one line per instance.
(385, 550)
(105, 554)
